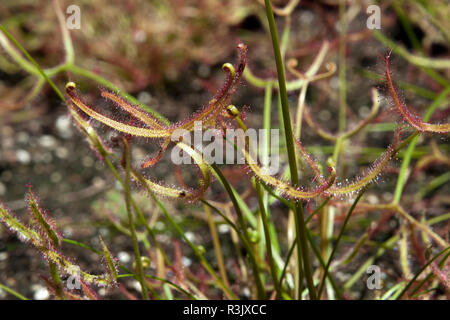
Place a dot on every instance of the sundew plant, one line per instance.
(252, 149)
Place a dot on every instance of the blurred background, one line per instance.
(168, 54)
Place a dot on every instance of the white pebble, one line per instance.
(3, 256)
(47, 141)
(186, 261)
(40, 292)
(223, 228)
(144, 97)
(124, 257)
(64, 126)
(190, 236)
(23, 156)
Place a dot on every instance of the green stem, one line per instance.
(430, 275)
(41, 72)
(13, 292)
(216, 244)
(405, 289)
(347, 217)
(259, 286)
(131, 222)
(302, 241)
(206, 265)
(265, 221)
(138, 211)
(56, 280)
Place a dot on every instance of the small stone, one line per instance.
(40, 292)
(144, 97)
(64, 126)
(47, 141)
(23, 156)
(223, 228)
(186, 261)
(62, 152)
(124, 257)
(3, 256)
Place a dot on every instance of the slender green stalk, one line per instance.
(259, 286)
(322, 264)
(56, 280)
(405, 289)
(13, 292)
(138, 211)
(41, 72)
(430, 275)
(68, 46)
(273, 267)
(216, 244)
(170, 283)
(239, 232)
(68, 66)
(336, 244)
(81, 245)
(319, 258)
(302, 241)
(433, 184)
(291, 249)
(206, 265)
(419, 61)
(402, 17)
(132, 227)
(388, 244)
(266, 153)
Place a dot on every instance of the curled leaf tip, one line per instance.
(228, 67)
(409, 116)
(70, 86)
(232, 110)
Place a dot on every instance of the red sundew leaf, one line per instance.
(49, 231)
(171, 192)
(351, 131)
(210, 112)
(208, 115)
(111, 262)
(146, 118)
(95, 141)
(310, 160)
(316, 127)
(413, 119)
(45, 242)
(180, 178)
(119, 126)
(285, 187)
(149, 162)
(50, 285)
(88, 291)
(372, 173)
